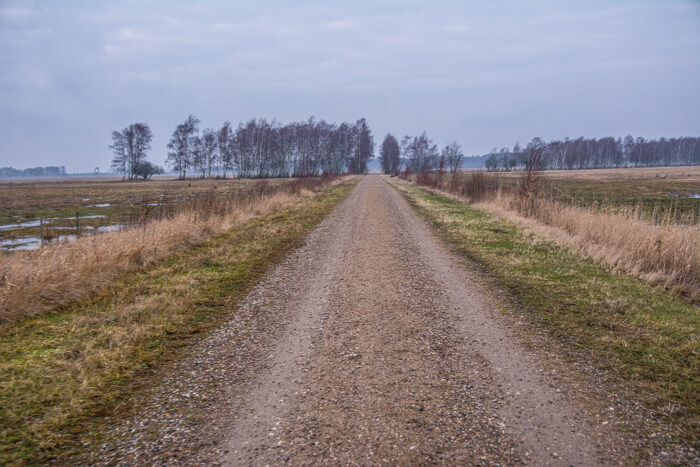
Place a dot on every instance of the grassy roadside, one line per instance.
(642, 335)
(61, 373)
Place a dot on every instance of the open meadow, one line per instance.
(100, 204)
(661, 194)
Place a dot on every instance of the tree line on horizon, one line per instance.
(254, 149)
(262, 149)
(268, 149)
(592, 153)
(33, 172)
(418, 154)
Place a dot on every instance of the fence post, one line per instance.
(41, 230)
(77, 225)
(583, 204)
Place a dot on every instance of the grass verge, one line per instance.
(61, 373)
(641, 335)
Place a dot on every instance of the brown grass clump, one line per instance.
(664, 252)
(33, 281)
(668, 253)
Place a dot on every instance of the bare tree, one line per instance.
(119, 149)
(453, 156)
(364, 151)
(130, 148)
(420, 153)
(226, 148)
(535, 149)
(209, 145)
(596, 153)
(390, 155)
(180, 146)
(258, 148)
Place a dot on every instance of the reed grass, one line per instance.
(34, 281)
(662, 252)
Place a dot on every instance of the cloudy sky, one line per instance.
(487, 73)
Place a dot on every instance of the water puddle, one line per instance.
(691, 195)
(47, 222)
(34, 243)
(21, 225)
(17, 244)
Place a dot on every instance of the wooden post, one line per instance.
(77, 224)
(41, 230)
(583, 205)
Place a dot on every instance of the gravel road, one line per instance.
(369, 344)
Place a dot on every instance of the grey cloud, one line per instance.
(486, 73)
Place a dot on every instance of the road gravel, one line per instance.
(369, 344)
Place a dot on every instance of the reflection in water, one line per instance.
(34, 243)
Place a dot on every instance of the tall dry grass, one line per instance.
(33, 281)
(665, 252)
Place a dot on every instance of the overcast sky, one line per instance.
(487, 73)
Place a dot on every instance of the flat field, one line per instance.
(661, 194)
(100, 205)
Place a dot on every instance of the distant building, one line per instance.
(97, 170)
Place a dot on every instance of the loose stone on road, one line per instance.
(369, 344)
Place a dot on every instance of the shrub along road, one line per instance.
(368, 344)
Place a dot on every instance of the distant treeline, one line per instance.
(584, 153)
(254, 149)
(264, 149)
(261, 149)
(11, 172)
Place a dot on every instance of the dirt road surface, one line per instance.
(369, 345)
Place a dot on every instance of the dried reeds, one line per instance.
(33, 281)
(663, 252)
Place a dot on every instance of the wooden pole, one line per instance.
(77, 224)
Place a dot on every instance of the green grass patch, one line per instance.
(62, 373)
(640, 334)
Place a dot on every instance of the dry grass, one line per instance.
(668, 253)
(663, 252)
(66, 375)
(642, 343)
(689, 173)
(33, 281)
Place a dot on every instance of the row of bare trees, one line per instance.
(583, 153)
(262, 149)
(418, 154)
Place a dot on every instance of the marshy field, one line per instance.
(663, 194)
(594, 275)
(83, 206)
